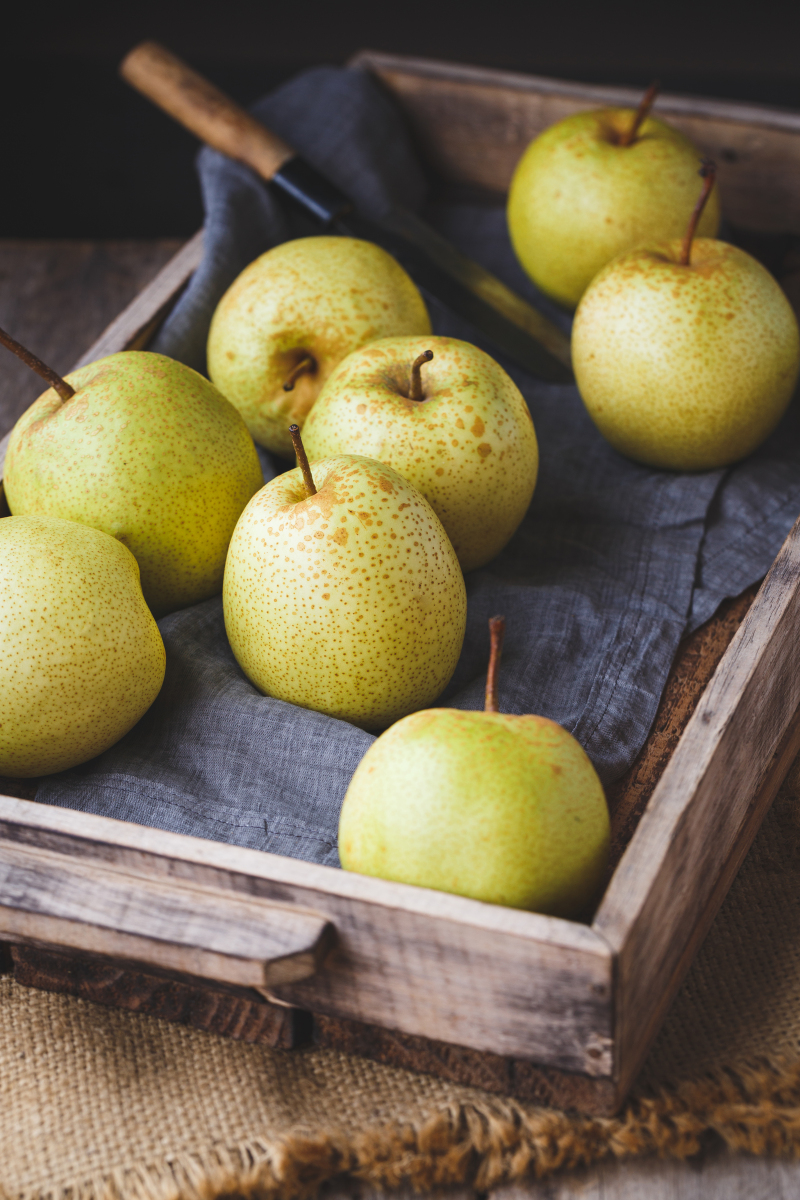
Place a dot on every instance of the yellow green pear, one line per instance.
(147, 450)
(450, 420)
(81, 657)
(500, 808)
(343, 594)
(686, 353)
(596, 184)
(293, 315)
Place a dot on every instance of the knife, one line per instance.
(513, 325)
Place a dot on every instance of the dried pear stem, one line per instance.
(497, 629)
(416, 375)
(306, 364)
(302, 459)
(646, 103)
(708, 173)
(47, 373)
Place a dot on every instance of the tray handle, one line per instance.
(203, 109)
(174, 927)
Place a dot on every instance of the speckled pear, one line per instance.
(467, 442)
(148, 451)
(81, 657)
(579, 196)
(293, 315)
(349, 601)
(687, 367)
(500, 808)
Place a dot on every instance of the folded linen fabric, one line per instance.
(612, 564)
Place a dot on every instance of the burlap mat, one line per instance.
(101, 1103)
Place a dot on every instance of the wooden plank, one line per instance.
(515, 1077)
(36, 307)
(698, 657)
(472, 125)
(511, 982)
(597, 94)
(115, 985)
(137, 323)
(583, 1021)
(649, 1022)
(704, 811)
(207, 933)
(56, 297)
(696, 662)
(546, 984)
(714, 1174)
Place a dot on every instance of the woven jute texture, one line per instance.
(103, 1103)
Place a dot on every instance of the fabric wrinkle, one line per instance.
(595, 584)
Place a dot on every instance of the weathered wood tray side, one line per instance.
(258, 1021)
(473, 124)
(548, 1009)
(136, 324)
(704, 812)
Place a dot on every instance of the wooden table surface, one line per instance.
(56, 297)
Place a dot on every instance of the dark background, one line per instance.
(84, 156)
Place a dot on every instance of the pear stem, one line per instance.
(416, 375)
(708, 173)
(497, 629)
(307, 363)
(55, 381)
(302, 459)
(646, 103)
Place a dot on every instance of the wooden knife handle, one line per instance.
(203, 109)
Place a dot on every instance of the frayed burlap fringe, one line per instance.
(755, 1108)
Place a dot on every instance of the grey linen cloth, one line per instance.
(612, 564)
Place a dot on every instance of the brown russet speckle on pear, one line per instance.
(323, 296)
(351, 601)
(81, 657)
(579, 198)
(685, 367)
(469, 446)
(148, 451)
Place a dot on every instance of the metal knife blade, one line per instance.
(510, 323)
(514, 326)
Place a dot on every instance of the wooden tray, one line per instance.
(279, 951)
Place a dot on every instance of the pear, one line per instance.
(597, 184)
(342, 592)
(293, 315)
(504, 809)
(147, 450)
(686, 353)
(81, 657)
(450, 420)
